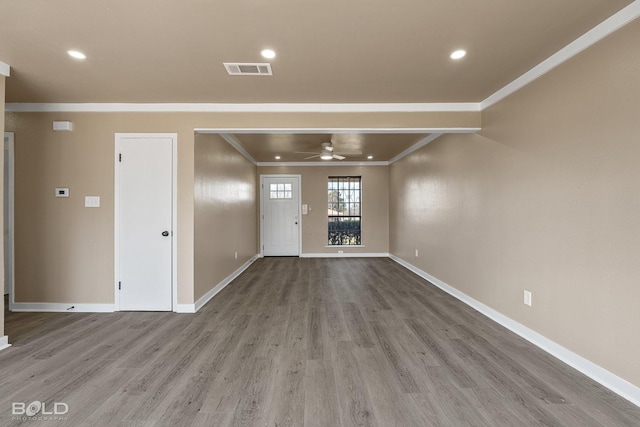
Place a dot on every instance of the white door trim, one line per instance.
(10, 184)
(174, 213)
(297, 177)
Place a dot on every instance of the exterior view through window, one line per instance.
(344, 210)
(281, 191)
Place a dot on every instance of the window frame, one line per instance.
(283, 191)
(352, 211)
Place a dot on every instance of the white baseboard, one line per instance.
(614, 383)
(193, 308)
(62, 307)
(4, 342)
(184, 308)
(108, 308)
(344, 255)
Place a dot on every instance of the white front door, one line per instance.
(280, 215)
(144, 179)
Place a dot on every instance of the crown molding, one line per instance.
(334, 130)
(5, 69)
(236, 144)
(416, 146)
(242, 108)
(324, 163)
(597, 33)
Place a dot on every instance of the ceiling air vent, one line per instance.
(248, 69)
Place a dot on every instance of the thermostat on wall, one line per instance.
(62, 192)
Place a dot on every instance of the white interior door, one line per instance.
(8, 214)
(280, 215)
(144, 217)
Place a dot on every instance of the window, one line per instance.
(344, 211)
(280, 191)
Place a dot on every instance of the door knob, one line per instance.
(165, 233)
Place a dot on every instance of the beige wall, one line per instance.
(375, 205)
(64, 252)
(545, 198)
(225, 211)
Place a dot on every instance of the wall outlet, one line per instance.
(527, 298)
(236, 255)
(416, 253)
(340, 252)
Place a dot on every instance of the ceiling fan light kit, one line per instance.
(327, 153)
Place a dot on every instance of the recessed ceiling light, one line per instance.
(369, 157)
(76, 54)
(277, 157)
(268, 53)
(457, 54)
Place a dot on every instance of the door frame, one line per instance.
(174, 214)
(10, 185)
(297, 177)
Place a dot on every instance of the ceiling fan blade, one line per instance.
(306, 152)
(349, 153)
(312, 157)
(338, 157)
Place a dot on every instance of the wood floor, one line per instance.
(299, 342)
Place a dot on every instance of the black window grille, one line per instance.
(345, 210)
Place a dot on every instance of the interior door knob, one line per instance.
(165, 233)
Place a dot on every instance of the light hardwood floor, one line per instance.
(299, 342)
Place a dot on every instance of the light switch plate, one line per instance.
(527, 298)
(92, 201)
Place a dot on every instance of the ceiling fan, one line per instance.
(327, 153)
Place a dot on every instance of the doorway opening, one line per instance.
(9, 164)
